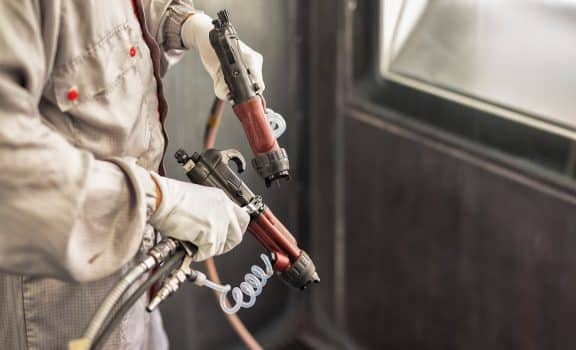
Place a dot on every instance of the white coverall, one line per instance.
(81, 126)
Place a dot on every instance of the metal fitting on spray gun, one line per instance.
(270, 161)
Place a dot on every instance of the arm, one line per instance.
(164, 20)
(63, 213)
(177, 26)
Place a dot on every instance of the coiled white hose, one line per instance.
(276, 122)
(252, 287)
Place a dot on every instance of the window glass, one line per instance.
(518, 55)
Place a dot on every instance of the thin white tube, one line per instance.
(251, 287)
(276, 121)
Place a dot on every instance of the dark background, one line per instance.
(433, 226)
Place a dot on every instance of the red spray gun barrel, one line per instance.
(271, 161)
(292, 264)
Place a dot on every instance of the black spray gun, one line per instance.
(270, 161)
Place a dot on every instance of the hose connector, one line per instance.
(301, 273)
(163, 250)
(272, 166)
(172, 283)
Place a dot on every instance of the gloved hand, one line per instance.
(195, 34)
(202, 215)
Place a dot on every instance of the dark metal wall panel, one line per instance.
(445, 251)
(442, 248)
(192, 317)
(325, 147)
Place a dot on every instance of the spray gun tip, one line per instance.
(316, 278)
(224, 16)
(181, 156)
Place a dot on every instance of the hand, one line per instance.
(202, 215)
(195, 34)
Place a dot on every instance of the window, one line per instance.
(512, 58)
(491, 76)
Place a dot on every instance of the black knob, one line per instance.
(181, 156)
(224, 17)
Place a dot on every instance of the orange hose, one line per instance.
(209, 140)
(213, 123)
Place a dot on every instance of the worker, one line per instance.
(82, 191)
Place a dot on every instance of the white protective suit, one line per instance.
(81, 126)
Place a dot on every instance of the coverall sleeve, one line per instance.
(63, 213)
(164, 20)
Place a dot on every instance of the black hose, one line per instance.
(145, 286)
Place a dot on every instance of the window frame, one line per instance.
(486, 133)
(511, 112)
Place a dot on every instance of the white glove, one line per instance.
(195, 33)
(202, 215)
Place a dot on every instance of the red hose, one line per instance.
(280, 238)
(274, 220)
(260, 234)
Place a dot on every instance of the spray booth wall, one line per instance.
(454, 229)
